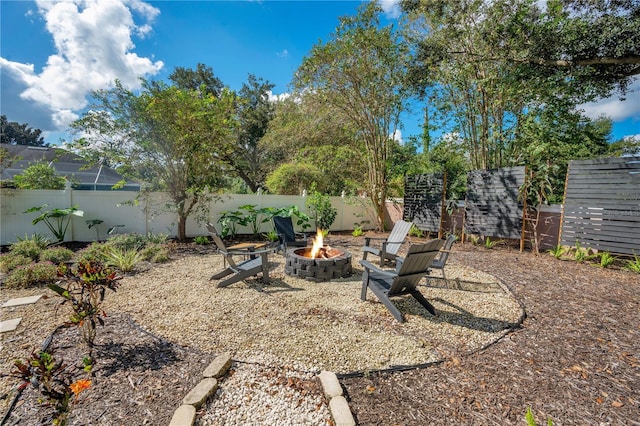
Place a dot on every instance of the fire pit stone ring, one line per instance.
(300, 264)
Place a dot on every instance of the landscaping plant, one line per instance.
(606, 259)
(57, 220)
(84, 287)
(557, 252)
(323, 211)
(54, 382)
(633, 265)
(31, 275)
(123, 259)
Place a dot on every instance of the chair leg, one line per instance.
(221, 274)
(365, 284)
(424, 302)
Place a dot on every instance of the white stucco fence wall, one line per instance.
(148, 215)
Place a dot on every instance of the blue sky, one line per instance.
(53, 54)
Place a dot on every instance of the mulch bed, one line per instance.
(575, 360)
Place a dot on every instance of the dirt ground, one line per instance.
(575, 360)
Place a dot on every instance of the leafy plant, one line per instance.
(475, 239)
(10, 261)
(123, 259)
(85, 288)
(414, 231)
(271, 236)
(128, 241)
(201, 240)
(56, 255)
(54, 382)
(557, 252)
(489, 243)
(606, 259)
(255, 217)
(94, 222)
(159, 238)
(41, 240)
(302, 219)
(31, 275)
(357, 231)
(229, 221)
(57, 220)
(531, 420)
(28, 248)
(324, 212)
(582, 254)
(633, 265)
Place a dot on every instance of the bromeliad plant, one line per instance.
(54, 382)
(85, 288)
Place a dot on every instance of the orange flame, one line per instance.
(317, 244)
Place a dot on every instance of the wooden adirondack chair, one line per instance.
(441, 259)
(386, 284)
(388, 250)
(254, 261)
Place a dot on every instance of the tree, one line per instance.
(39, 176)
(171, 138)
(305, 129)
(255, 111)
(591, 45)
(14, 133)
(202, 78)
(360, 73)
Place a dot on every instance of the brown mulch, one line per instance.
(576, 360)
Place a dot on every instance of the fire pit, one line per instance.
(318, 263)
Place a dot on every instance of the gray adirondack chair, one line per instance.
(254, 262)
(388, 251)
(386, 284)
(441, 259)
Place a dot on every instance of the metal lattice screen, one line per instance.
(601, 209)
(492, 208)
(423, 198)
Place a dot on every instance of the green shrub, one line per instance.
(95, 252)
(358, 231)
(128, 241)
(606, 259)
(414, 231)
(633, 265)
(159, 238)
(28, 248)
(156, 253)
(32, 275)
(10, 261)
(56, 255)
(201, 240)
(123, 259)
(557, 252)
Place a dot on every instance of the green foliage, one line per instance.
(293, 178)
(10, 261)
(301, 218)
(254, 218)
(29, 248)
(489, 243)
(229, 222)
(84, 288)
(159, 238)
(57, 220)
(531, 420)
(358, 231)
(127, 241)
(56, 255)
(156, 253)
(201, 240)
(557, 252)
(39, 176)
(606, 259)
(123, 259)
(414, 231)
(633, 265)
(271, 236)
(19, 134)
(582, 254)
(324, 213)
(31, 275)
(95, 252)
(53, 381)
(94, 223)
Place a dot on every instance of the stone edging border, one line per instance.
(185, 415)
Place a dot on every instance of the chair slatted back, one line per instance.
(222, 248)
(397, 236)
(415, 266)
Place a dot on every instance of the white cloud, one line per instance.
(390, 7)
(397, 136)
(614, 108)
(93, 47)
(283, 54)
(277, 98)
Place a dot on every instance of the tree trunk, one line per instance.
(182, 227)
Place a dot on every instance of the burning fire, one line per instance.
(318, 244)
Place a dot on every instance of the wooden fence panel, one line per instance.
(423, 198)
(492, 208)
(601, 209)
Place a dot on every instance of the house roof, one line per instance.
(65, 163)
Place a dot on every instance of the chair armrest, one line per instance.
(367, 240)
(371, 267)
